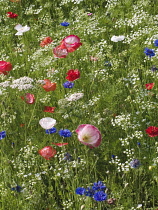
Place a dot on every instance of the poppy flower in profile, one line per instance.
(11, 15)
(60, 144)
(48, 86)
(71, 43)
(28, 98)
(60, 52)
(49, 109)
(89, 135)
(47, 122)
(47, 40)
(152, 131)
(47, 152)
(4, 67)
(73, 74)
(149, 86)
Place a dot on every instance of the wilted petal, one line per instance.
(49, 109)
(60, 144)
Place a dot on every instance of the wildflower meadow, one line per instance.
(79, 105)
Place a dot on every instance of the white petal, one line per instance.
(18, 27)
(47, 122)
(25, 28)
(19, 33)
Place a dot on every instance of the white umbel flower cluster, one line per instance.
(75, 97)
(23, 83)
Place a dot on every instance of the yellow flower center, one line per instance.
(86, 138)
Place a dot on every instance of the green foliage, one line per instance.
(115, 100)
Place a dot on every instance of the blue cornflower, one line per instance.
(112, 156)
(68, 157)
(17, 188)
(89, 192)
(135, 163)
(99, 186)
(156, 43)
(52, 130)
(2, 135)
(149, 52)
(138, 143)
(100, 196)
(64, 24)
(65, 133)
(68, 84)
(80, 191)
(107, 63)
(154, 68)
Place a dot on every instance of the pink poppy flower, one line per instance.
(47, 152)
(149, 86)
(28, 98)
(60, 52)
(71, 43)
(4, 67)
(89, 135)
(60, 144)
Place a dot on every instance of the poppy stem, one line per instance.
(33, 110)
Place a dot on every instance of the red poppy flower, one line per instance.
(71, 43)
(47, 40)
(22, 125)
(73, 74)
(29, 98)
(49, 109)
(47, 152)
(60, 52)
(15, 0)
(60, 144)
(149, 86)
(4, 67)
(49, 86)
(152, 131)
(11, 15)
